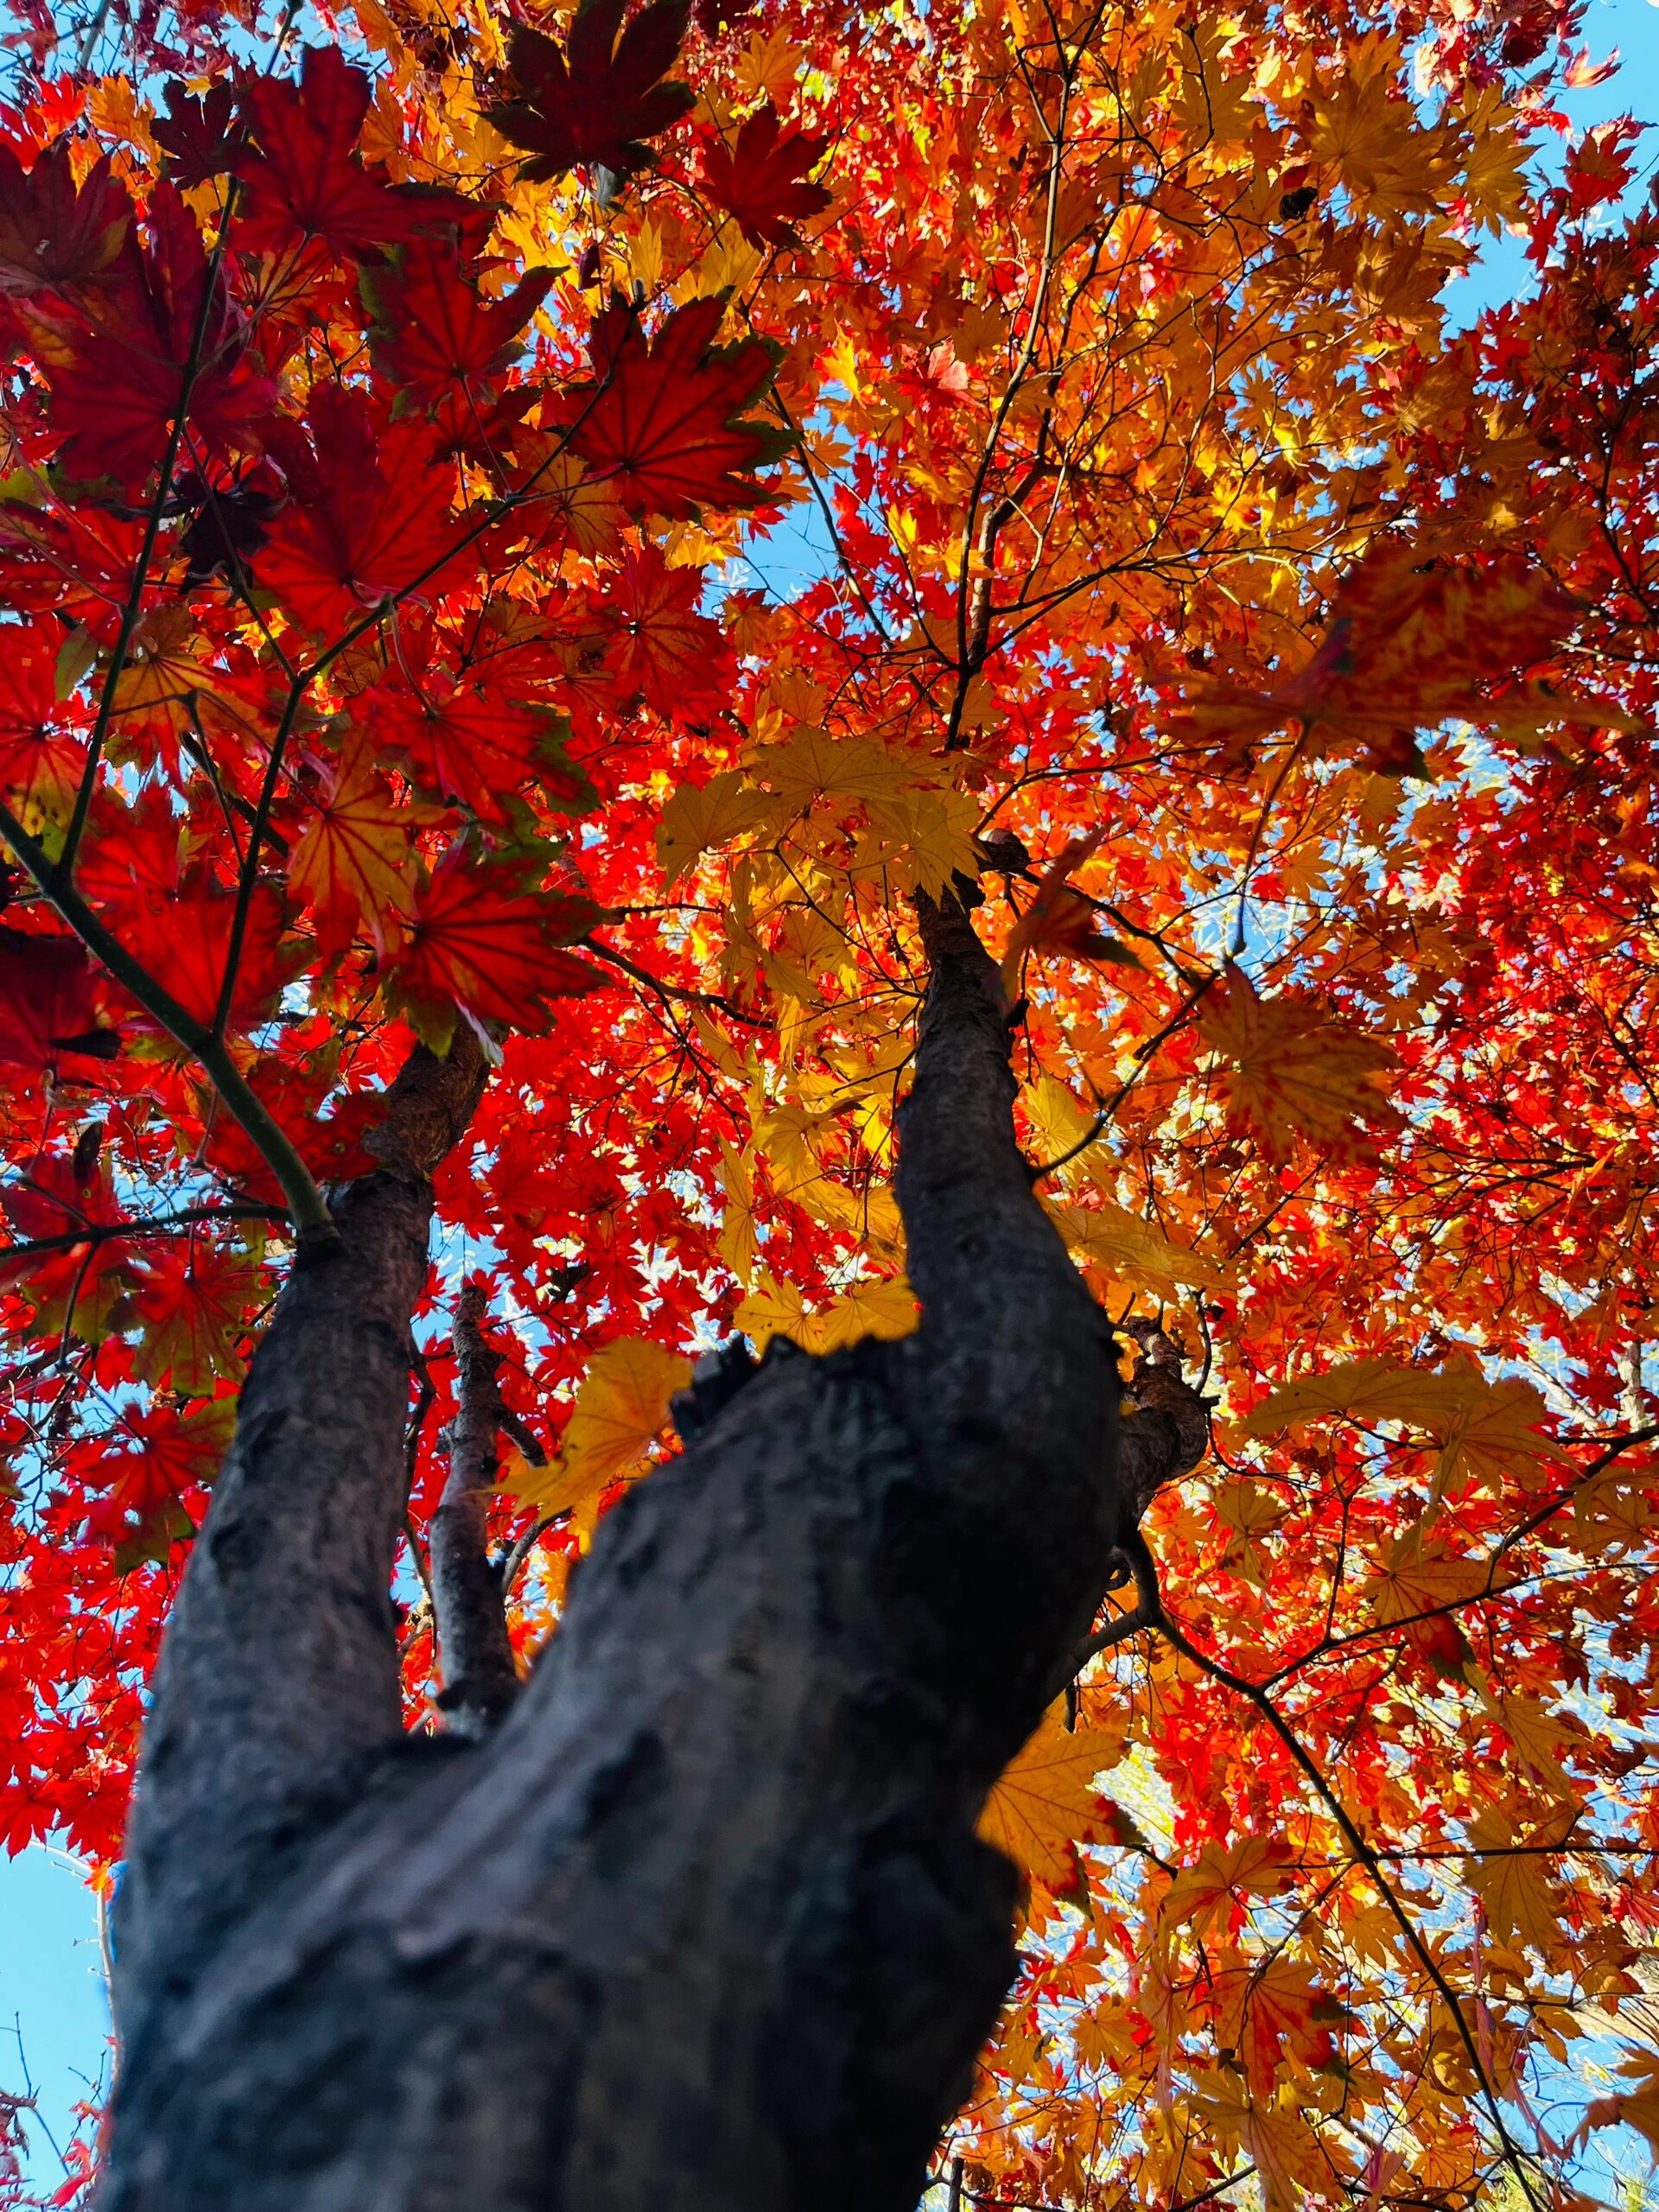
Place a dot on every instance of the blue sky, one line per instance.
(51, 1986)
(51, 1994)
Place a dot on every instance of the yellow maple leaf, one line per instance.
(869, 1309)
(771, 1309)
(1047, 1798)
(769, 68)
(1417, 1577)
(699, 818)
(738, 1241)
(1214, 107)
(1249, 1509)
(1059, 1123)
(531, 1486)
(1284, 2150)
(1110, 1237)
(1295, 1073)
(1522, 1904)
(562, 497)
(1287, 2155)
(1214, 1888)
(918, 839)
(168, 678)
(811, 768)
(620, 1411)
(1484, 1426)
(1539, 1737)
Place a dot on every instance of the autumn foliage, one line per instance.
(401, 446)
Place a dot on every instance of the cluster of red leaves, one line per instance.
(336, 598)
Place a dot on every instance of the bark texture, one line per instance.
(703, 1926)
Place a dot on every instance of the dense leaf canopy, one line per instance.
(398, 441)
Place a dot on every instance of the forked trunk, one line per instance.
(702, 1925)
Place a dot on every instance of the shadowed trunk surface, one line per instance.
(703, 1925)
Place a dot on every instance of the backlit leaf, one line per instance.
(1047, 1802)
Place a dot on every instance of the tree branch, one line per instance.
(1167, 1431)
(1365, 1857)
(278, 1680)
(468, 1591)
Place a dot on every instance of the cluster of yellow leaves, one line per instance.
(895, 820)
(1110, 1244)
(867, 1309)
(1487, 1428)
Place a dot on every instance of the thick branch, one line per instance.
(468, 1592)
(1168, 1431)
(278, 1679)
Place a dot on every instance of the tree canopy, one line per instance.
(394, 646)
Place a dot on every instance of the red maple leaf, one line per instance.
(369, 519)
(665, 649)
(48, 1199)
(50, 1000)
(201, 137)
(433, 334)
(665, 425)
(164, 1455)
(478, 750)
(481, 429)
(116, 385)
(54, 235)
(194, 1305)
(330, 1144)
(596, 102)
(762, 179)
(184, 941)
(486, 939)
(39, 759)
(132, 856)
(78, 561)
(305, 184)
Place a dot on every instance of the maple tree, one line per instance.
(1219, 730)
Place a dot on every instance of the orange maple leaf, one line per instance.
(1060, 919)
(351, 860)
(1414, 640)
(1295, 1073)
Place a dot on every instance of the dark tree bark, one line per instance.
(703, 1925)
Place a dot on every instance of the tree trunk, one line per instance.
(702, 1925)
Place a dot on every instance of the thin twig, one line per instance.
(1365, 1856)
